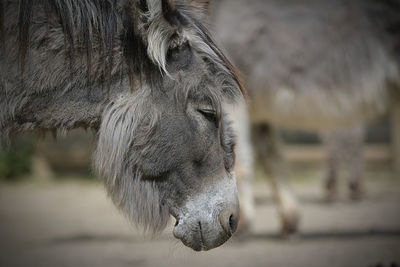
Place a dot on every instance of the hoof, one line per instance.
(290, 224)
(331, 192)
(356, 191)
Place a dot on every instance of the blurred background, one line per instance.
(55, 212)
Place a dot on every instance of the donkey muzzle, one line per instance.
(210, 218)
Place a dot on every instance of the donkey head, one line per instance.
(166, 147)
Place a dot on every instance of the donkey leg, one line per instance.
(269, 154)
(395, 127)
(243, 166)
(353, 145)
(331, 141)
(244, 176)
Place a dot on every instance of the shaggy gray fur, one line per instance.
(118, 134)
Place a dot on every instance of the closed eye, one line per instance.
(210, 115)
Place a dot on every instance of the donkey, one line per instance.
(309, 64)
(147, 77)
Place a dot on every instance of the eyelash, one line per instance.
(210, 115)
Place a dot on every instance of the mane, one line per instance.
(80, 21)
(85, 22)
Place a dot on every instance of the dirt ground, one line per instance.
(72, 223)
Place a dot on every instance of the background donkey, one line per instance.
(309, 64)
(148, 79)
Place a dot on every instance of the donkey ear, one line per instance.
(198, 9)
(200, 4)
(171, 14)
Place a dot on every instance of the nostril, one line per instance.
(233, 222)
(176, 223)
(229, 221)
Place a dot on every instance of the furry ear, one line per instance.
(203, 6)
(171, 14)
(158, 24)
(198, 9)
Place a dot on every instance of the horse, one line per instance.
(148, 79)
(310, 64)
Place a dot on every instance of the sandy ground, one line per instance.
(73, 223)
